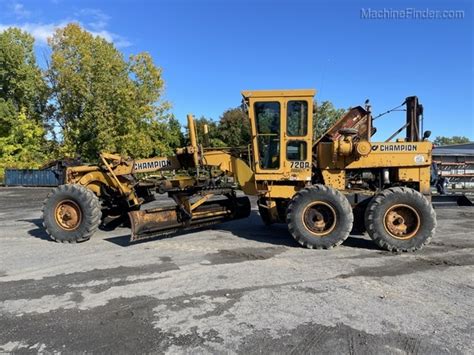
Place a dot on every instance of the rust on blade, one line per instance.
(148, 221)
(163, 221)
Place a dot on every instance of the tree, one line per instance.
(234, 128)
(441, 140)
(213, 131)
(324, 117)
(23, 98)
(174, 136)
(8, 115)
(22, 85)
(104, 102)
(23, 146)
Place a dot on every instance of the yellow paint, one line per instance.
(288, 170)
(335, 178)
(409, 162)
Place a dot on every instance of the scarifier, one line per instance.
(322, 190)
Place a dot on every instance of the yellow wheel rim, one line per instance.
(68, 215)
(402, 221)
(319, 218)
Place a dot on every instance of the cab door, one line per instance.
(297, 138)
(267, 135)
(282, 137)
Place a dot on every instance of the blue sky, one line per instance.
(210, 50)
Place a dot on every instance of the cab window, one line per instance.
(267, 117)
(297, 118)
(296, 150)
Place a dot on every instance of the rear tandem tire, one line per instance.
(358, 211)
(319, 217)
(71, 213)
(400, 219)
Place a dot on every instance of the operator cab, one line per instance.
(282, 130)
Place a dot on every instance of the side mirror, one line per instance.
(426, 135)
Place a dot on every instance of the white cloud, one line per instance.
(39, 31)
(19, 10)
(122, 42)
(94, 18)
(42, 31)
(119, 41)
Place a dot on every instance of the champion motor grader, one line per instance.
(322, 190)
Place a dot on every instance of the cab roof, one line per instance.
(278, 93)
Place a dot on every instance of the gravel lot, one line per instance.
(239, 287)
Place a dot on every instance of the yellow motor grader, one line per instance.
(322, 190)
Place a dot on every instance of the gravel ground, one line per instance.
(239, 287)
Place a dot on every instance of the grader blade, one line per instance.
(164, 221)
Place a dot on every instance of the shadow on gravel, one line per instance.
(38, 232)
(121, 241)
(357, 242)
(250, 228)
(124, 240)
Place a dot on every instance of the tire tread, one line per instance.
(91, 213)
(377, 237)
(291, 218)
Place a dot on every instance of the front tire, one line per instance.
(400, 219)
(319, 217)
(71, 213)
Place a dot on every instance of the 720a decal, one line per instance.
(300, 165)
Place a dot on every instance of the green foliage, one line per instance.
(23, 98)
(21, 81)
(234, 128)
(173, 134)
(441, 140)
(8, 115)
(324, 117)
(213, 129)
(92, 99)
(166, 136)
(22, 146)
(104, 102)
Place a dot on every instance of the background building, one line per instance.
(456, 162)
